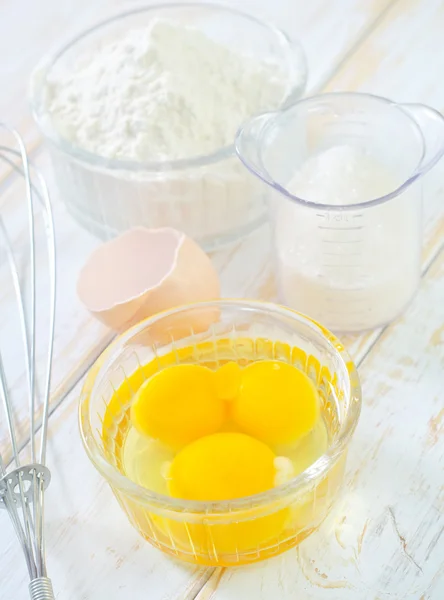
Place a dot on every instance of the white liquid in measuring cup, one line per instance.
(351, 269)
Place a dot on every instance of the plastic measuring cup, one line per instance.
(353, 264)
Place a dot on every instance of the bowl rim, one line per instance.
(43, 68)
(299, 484)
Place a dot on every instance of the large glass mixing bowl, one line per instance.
(211, 197)
(244, 530)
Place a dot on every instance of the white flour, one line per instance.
(352, 269)
(163, 92)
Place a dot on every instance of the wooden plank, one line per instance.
(385, 537)
(79, 338)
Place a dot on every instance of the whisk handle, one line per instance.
(41, 589)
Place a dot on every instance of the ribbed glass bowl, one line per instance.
(212, 198)
(237, 531)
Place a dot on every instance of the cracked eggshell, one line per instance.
(143, 272)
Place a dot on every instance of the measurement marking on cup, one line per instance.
(342, 241)
(340, 228)
(342, 266)
(342, 254)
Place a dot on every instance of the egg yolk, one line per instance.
(222, 466)
(178, 405)
(277, 403)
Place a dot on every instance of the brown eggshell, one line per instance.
(144, 272)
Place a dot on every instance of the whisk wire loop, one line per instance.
(22, 485)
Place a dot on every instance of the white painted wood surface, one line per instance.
(393, 502)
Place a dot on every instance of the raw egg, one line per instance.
(225, 466)
(222, 466)
(277, 403)
(178, 405)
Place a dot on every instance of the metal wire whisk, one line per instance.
(22, 485)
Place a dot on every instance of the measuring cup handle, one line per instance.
(431, 124)
(248, 144)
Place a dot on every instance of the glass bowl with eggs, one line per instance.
(140, 113)
(222, 428)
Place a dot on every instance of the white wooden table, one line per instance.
(385, 538)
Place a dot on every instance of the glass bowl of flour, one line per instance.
(140, 114)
